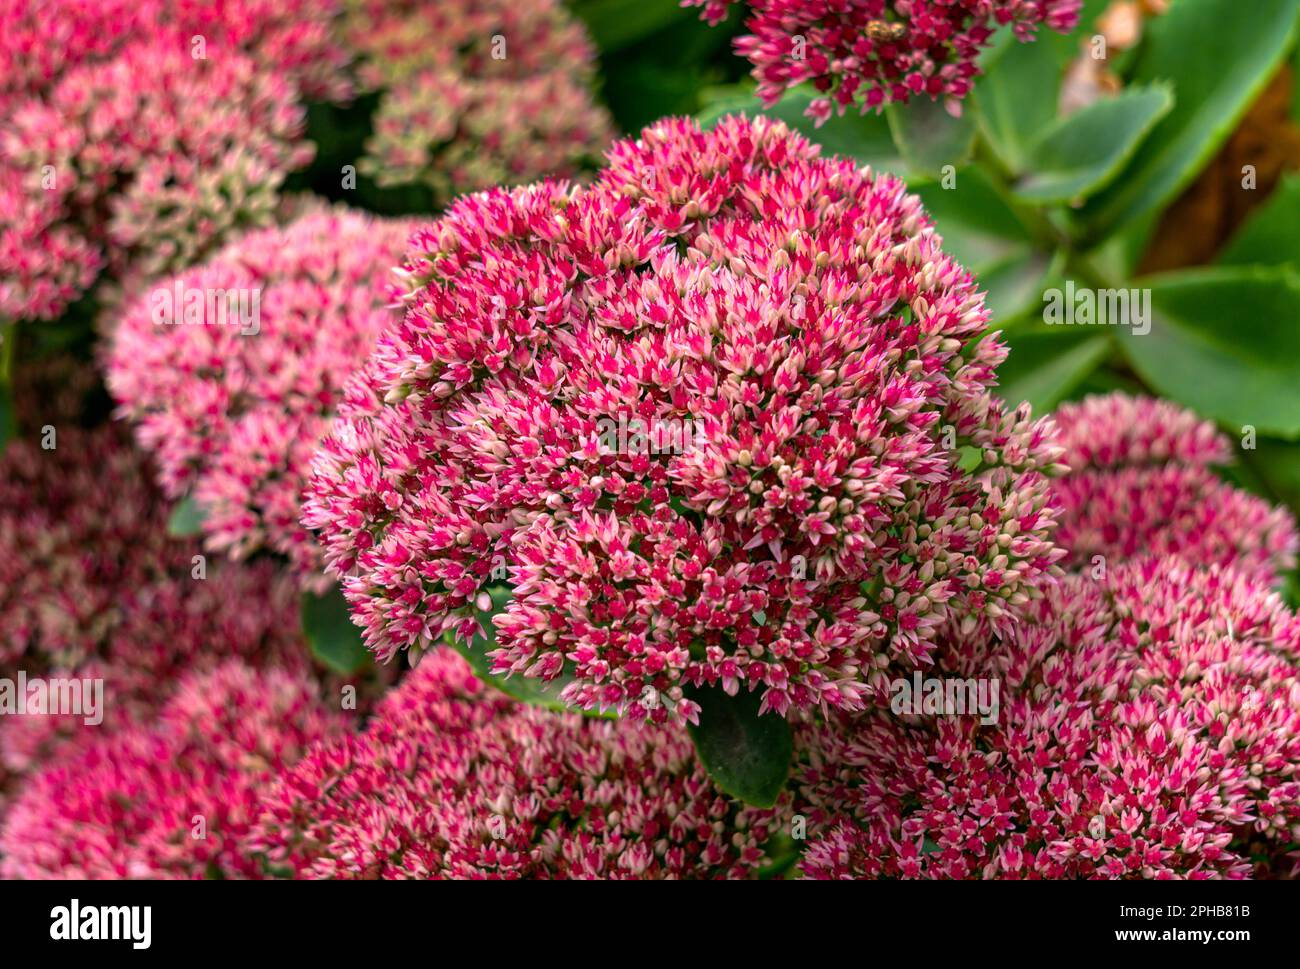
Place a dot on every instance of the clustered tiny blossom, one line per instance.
(878, 52)
(140, 164)
(169, 798)
(812, 373)
(91, 586)
(42, 40)
(88, 570)
(1149, 728)
(448, 781)
(1142, 483)
(475, 93)
(233, 407)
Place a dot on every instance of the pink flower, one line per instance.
(140, 164)
(450, 782)
(232, 395)
(91, 585)
(88, 571)
(614, 398)
(1141, 484)
(170, 799)
(873, 52)
(42, 40)
(476, 93)
(1149, 727)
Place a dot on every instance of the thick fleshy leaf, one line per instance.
(1014, 285)
(1226, 343)
(8, 419)
(331, 636)
(522, 688)
(616, 24)
(1219, 55)
(982, 232)
(8, 423)
(929, 138)
(1016, 99)
(186, 519)
(747, 754)
(1271, 236)
(1048, 364)
(1083, 153)
(1277, 465)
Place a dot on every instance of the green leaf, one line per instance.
(525, 689)
(8, 420)
(1225, 342)
(1271, 236)
(1016, 99)
(1219, 57)
(978, 227)
(186, 519)
(1082, 154)
(1048, 364)
(928, 137)
(1278, 464)
(1013, 285)
(615, 24)
(864, 138)
(747, 755)
(331, 635)
(982, 232)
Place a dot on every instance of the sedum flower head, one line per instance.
(475, 94)
(450, 782)
(1142, 483)
(89, 573)
(140, 164)
(874, 52)
(170, 798)
(722, 417)
(42, 40)
(232, 394)
(1149, 728)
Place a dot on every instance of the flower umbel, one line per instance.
(820, 521)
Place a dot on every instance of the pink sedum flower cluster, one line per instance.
(878, 52)
(139, 164)
(807, 363)
(1142, 483)
(43, 40)
(88, 571)
(232, 404)
(170, 798)
(449, 781)
(475, 94)
(1149, 728)
(91, 585)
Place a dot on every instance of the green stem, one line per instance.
(8, 338)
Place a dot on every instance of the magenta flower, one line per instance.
(92, 586)
(875, 52)
(612, 398)
(502, 791)
(1141, 484)
(88, 571)
(476, 93)
(1149, 727)
(232, 395)
(171, 799)
(42, 40)
(140, 164)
